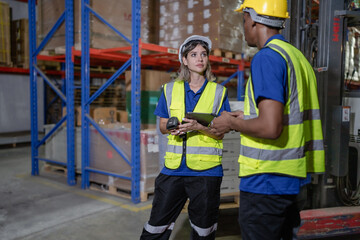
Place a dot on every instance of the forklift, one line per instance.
(328, 33)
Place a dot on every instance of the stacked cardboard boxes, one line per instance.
(5, 42)
(215, 19)
(20, 43)
(115, 12)
(101, 115)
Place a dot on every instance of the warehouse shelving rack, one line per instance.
(160, 57)
(133, 61)
(67, 97)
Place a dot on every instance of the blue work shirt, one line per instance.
(269, 78)
(191, 100)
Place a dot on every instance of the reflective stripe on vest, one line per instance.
(300, 147)
(202, 152)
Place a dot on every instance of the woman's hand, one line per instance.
(188, 125)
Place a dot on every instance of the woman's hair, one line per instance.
(184, 72)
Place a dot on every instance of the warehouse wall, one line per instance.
(15, 103)
(21, 9)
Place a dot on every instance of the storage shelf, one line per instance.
(156, 57)
(136, 56)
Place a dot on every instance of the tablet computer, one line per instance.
(202, 118)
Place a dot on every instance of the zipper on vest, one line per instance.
(184, 146)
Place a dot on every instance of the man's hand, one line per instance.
(222, 124)
(237, 114)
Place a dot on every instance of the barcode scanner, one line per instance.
(172, 123)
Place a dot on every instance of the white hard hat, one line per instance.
(192, 38)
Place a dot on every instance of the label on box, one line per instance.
(176, 18)
(206, 28)
(346, 114)
(175, 7)
(162, 10)
(176, 33)
(190, 17)
(190, 29)
(162, 22)
(207, 3)
(111, 181)
(162, 34)
(207, 13)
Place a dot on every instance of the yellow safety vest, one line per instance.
(202, 152)
(299, 149)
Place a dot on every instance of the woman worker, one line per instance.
(193, 167)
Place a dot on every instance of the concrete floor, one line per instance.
(45, 207)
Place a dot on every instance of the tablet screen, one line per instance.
(202, 118)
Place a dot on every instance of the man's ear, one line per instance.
(253, 23)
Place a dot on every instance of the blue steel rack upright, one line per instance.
(67, 98)
(86, 99)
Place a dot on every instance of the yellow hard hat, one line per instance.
(272, 8)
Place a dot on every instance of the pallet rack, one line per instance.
(163, 58)
(67, 97)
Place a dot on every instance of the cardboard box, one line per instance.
(20, 43)
(5, 41)
(121, 116)
(104, 115)
(151, 80)
(77, 114)
(214, 19)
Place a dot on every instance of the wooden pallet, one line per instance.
(57, 169)
(49, 65)
(54, 168)
(226, 54)
(229, 200)
(116, 191)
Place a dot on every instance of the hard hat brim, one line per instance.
(240, 9)
(193, 38)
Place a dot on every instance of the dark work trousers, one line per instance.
(300, 203)
(171, 194)
(268, 217)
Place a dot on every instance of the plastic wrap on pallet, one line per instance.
(215, 19)
(104, 157)
(56, 145)
(352, 55)
(231, 151)
(116, 12)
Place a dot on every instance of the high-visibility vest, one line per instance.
(202, 152)
(299, 149)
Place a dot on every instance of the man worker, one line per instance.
(281, 132)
